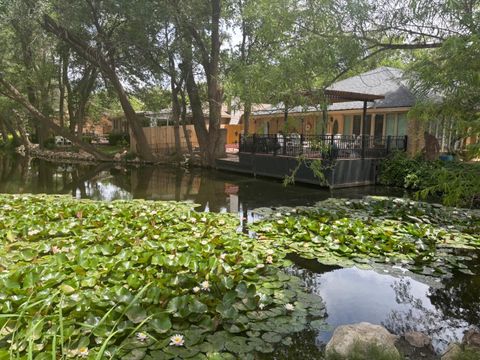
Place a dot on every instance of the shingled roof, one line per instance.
(385, 81)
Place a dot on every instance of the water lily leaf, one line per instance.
(161, 323)
(136, 314)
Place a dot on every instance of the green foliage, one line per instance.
(457, 183)
(468, 354)
(121, 279)
(118, 139)
(373, 231)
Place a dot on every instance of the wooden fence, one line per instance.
(162, 139)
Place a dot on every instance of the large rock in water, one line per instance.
(347, 338)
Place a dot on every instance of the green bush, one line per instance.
(49, 143)
(122, 139)
(457, 183)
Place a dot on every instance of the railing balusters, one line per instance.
(318, 146)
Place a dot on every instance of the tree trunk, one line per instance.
(4, 132)
(21, 129)
(186, 133)
(47, 123)
(106, 66)
(195, 102)
(176, 119)
(246, 117)
(215, 92)
(16, 139)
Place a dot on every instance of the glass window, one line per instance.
(378, 130)
(367, 127)
(335, 127)
(347, 125)
(391, 125)
(402, 124)
(357, 125)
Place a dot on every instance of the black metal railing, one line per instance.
(323, 146)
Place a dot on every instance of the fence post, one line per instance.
(389, 139)
(301, 144)
(405, 143)
(240, 142)
(275, 145)
(284, 136)
(254, 144)
(332, 144)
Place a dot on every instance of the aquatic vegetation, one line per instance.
(419, 236)
(139, 280)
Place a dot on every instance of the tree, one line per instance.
(199, 23)
(106, 20)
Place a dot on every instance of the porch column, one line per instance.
(364, 129)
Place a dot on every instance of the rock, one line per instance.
(346, 338)
(417, 339)
(472, 338)
(452, 352)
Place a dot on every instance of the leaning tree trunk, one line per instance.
(107, 67)
(21, 129)
(246, 117)
(47, 123)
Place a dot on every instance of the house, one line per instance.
(385, 116)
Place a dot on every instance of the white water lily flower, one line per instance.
(196, 289)
(83, 352)
(141, 336)
(56, 250)
(156, 237)
(193, 220)
(223, 256)
(221, 222)
(280, 222)
(203, 219)
(289, 307)
(177, 340)
(261, 306)
(269, 259)
(278, 214)
(205, 285)
(183, 217)
(33, 232)
(270, 252)
(260, 266)
(204, 242)
(154, 212)
(263, 297)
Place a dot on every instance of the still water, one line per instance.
(443, 308)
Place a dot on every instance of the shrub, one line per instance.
(118, 139)
(458, 183)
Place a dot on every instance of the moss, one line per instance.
(362, 352)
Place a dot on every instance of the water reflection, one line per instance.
(400, 304)
(212, 190)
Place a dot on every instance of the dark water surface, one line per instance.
(443, 308)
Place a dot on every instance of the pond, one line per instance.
(442, 308)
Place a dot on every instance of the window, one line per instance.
(357, 125)
(347, 125)
(378, 130)
(391, 125)
(367, 126)
(402, 124)
(335, 127)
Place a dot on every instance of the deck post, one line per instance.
(254, 143)
(364, 129)
(301, 144)
(389, 140)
